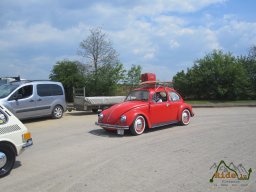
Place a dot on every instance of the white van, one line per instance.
(30, 99)
(14, 138)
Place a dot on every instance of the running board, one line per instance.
(163, 124)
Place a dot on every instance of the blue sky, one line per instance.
(163, 36)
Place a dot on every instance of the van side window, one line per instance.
(44, 90)
(174, 96)
(24, 92)
(56, 90)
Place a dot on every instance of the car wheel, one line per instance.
(138, 126)
(185, 117)
(57, 112)
(7, 159)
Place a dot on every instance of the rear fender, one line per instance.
(182, 107)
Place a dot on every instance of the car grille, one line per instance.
(9, 129)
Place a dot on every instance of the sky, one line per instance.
(163, 36)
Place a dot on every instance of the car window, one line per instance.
(140, 95)
(174, 96)
(44, 90)
(3, 81)
(7, 89)
(24, 92)
(160, 96)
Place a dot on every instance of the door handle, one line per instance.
(167, 104)
(31, 100)
(39, 100)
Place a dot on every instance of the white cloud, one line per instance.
(174, 43)
(149, 33)
(236, 35)
(156, 7)
(21, 33)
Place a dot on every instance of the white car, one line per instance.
(14, 138)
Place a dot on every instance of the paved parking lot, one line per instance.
(72, 154)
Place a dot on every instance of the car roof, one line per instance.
(34, 82)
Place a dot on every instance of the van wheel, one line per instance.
(57, 112)
(7, 159)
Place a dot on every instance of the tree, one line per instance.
(181, 84)
(133, 76)
(70, 74)
(102, 61)
(216, 76)
(249, 63)
(109, 76)
(98, 50)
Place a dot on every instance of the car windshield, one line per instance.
(6, 89)
(3, 81)
(138, 95)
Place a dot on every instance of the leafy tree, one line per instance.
(181, 83)
(249, 63)
(104, 68)
(216, 76)
(133, 76)
(109, 76)
(71, 74)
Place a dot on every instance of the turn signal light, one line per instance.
(26, 136)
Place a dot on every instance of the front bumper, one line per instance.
(109, 126)
(28, 143)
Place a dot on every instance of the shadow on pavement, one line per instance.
(80, 113)
(111, 134)
(152, 130)
(33, 120)
(127, 133)
(17, 164)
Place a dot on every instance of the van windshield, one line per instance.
(7, 89)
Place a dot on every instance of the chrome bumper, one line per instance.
(29, 143)
(117, 127)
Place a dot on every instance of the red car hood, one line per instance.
(114, 113)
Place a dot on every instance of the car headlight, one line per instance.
(3, 118)
(123, 119)
(100, 116)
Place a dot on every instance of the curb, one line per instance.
(220, 105)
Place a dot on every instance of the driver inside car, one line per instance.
(158, 98)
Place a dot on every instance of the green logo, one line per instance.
(230, 172)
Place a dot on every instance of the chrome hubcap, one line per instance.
(58, 112)
(3, 160)
(139, 124)
(185, 117)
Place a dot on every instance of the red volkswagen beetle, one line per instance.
(153, 105)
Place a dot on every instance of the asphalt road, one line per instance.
(72, 154)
